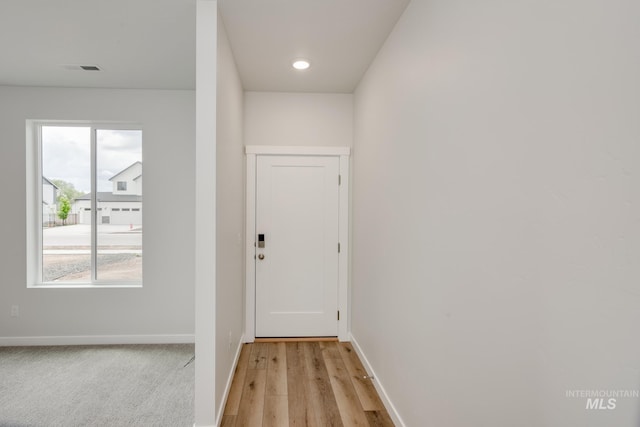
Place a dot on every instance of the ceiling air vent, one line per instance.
(75, 67)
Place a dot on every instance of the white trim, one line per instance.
(386, 401)
(104, 284)
(97, 340)
(250, 251)
(34, 238)
(343, 257)
(33, 196)
(252, 152)
(227, 387)
(297, 151)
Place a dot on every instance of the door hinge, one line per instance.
(338, 247)
(339, 179)
(338, 314)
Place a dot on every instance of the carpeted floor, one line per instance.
(123, 385)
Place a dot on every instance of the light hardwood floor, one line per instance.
(302, 384)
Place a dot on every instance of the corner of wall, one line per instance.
(386, 400)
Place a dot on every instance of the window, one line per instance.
(84, 245)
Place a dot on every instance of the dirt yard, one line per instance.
(77, 268)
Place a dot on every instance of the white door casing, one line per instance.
(298, 198)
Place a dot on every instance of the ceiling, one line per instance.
(150, 44)
(339, 37)
(146, 44)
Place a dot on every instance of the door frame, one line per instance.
(252, 152)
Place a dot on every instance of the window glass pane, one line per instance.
(119, 183)
(66, 216)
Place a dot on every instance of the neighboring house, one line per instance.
(128, 181)
(122, 205)
(49, 201)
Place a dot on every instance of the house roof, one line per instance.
(45, 180)
(105, 196)
(126, 169)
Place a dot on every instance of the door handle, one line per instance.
(261, 256)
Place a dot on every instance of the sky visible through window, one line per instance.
(66, 154)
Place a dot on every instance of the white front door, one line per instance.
(297, 217)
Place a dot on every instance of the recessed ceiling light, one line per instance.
(301, 64)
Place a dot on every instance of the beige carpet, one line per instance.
(125, 385)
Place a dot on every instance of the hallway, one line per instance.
(302, 384)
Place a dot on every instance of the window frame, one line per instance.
(34, 203)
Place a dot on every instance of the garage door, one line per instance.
(126, 216)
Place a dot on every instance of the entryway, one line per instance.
(302, 384)
(297, 201)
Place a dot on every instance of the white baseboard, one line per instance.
(97, 340)
(227, 387)
(393, 413)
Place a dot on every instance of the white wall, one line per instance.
(164, 305)
(495, 212)
(229, 217)
(205, 211)
(295, 119)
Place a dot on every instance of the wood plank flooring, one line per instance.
(315, 384)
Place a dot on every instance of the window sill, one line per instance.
(106, 285)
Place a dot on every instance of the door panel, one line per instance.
(297, 270)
